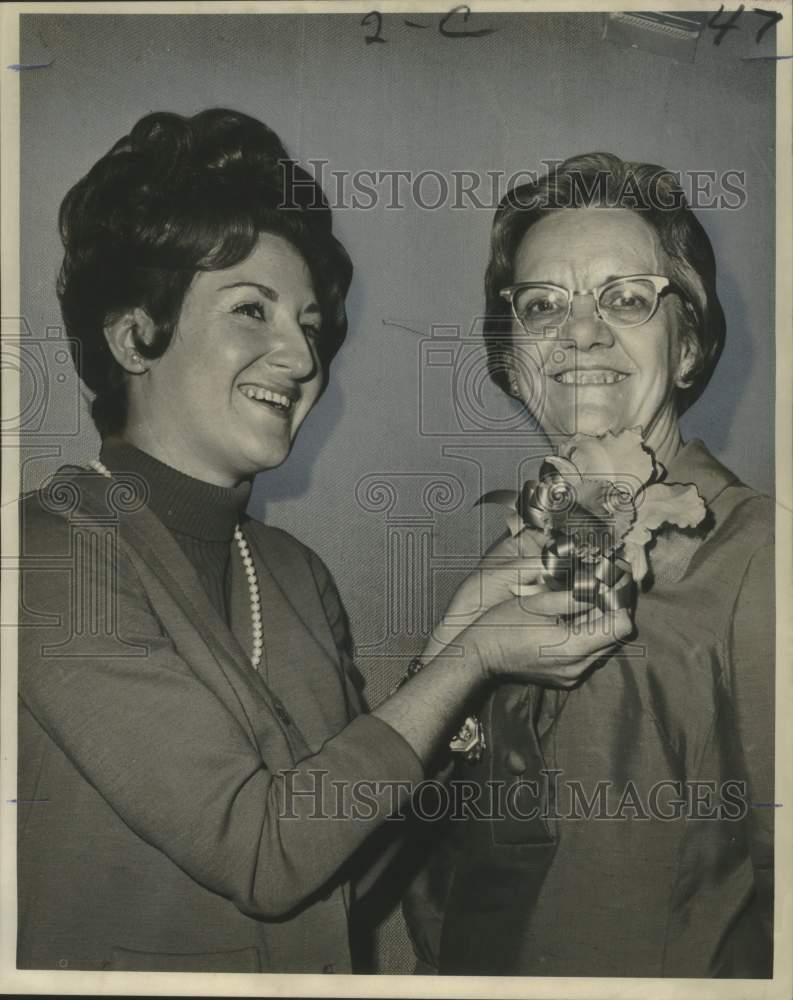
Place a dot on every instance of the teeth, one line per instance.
(267, 395)
(597, 377)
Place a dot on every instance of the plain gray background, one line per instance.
(383, 476)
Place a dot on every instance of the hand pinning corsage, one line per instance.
(596, 507)
(598, 504)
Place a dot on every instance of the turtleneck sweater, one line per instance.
(200, 516)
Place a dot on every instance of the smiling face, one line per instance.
(241, 373)
(592, 377)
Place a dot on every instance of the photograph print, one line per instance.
(396, 435)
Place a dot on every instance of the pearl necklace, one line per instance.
(250, 573)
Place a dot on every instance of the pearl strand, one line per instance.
(250, 573)
(253, 596)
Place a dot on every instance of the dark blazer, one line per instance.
(170, 802)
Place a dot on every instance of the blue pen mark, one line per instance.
(18, 67)
(25, 802)
(756, 58)
(766, 805)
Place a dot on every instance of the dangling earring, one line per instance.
(514, 388)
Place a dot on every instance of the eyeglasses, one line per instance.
(541, 308)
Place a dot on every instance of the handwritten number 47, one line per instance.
(722, 27)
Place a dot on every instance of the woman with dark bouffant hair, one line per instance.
(198, 779)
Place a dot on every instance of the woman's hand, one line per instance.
(546, 638)
(510, 569)
(539, 637)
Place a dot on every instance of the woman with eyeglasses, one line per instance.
(199, 782)
(637, 837)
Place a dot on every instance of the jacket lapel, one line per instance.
(149, 541)
(290, 585)
(302, 663)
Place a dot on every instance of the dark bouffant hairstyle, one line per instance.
(176, 196)
(602, 179)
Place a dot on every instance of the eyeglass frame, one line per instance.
(660, 282)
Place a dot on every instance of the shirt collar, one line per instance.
(695, 464)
